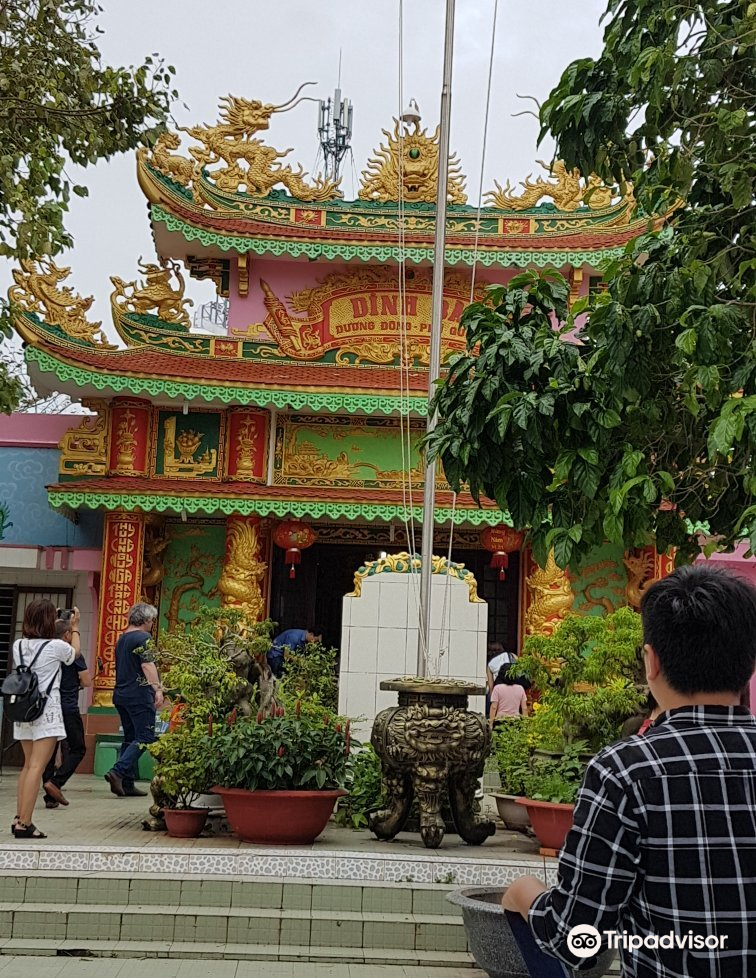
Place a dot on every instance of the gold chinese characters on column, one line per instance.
(123, 555)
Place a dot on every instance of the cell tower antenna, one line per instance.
(335, 129)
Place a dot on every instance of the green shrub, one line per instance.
(311, 673)
(304, 748)
(556, 779)
(365, 789)
(512, 752)
(184, 761)
(590, 675)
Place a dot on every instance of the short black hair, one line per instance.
(701, 622)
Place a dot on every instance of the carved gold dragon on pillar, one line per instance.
(243, 572)
(640, 575)
(551, 598)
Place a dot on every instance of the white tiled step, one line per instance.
(233, 952)
(244, 926)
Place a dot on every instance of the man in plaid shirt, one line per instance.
(663, 846)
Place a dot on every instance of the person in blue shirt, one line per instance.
(138, 694)
(291, 640)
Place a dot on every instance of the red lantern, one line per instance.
(294, 536)
(501, 541)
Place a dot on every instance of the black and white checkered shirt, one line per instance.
(664, 841)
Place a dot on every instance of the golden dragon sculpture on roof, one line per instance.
(38, 290)
(154, 294)
(407, 168)
(568, 192)
(249, 165)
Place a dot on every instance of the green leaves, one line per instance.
(281, 752)
(59, 103)
(648, 429)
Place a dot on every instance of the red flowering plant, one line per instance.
(295, 747)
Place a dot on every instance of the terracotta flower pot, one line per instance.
(513, 816)
(278, 818)
(185, 823)
(551, 821)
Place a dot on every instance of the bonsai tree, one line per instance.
(312, 674)
(216, 664)
(589, 673)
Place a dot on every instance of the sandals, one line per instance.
(31, 831)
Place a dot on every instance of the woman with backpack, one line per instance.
(40, 651)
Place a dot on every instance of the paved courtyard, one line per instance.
(96, 817)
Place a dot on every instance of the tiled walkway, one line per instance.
(33, 967)
(95, 816)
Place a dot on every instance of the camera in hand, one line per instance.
(64, 614)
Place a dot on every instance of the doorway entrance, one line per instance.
(313, 599)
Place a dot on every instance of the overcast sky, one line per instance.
(266, 48)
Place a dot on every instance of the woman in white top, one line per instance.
(39, 738)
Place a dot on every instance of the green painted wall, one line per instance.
(193, 565)
(599, 582)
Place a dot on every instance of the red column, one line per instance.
(120, 588)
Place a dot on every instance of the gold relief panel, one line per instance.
(129, 436)
(84, 448)
(339, 451)
(188, 446)
(247, 445)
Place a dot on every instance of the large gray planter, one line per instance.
(514, 816)
(491, 941)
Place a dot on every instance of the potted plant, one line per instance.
(550, 788)
(511, 749)
(207, 671)
(281, 772)
(589, 673)
(590, 679)
(184, 775)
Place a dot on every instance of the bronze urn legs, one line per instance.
(431, 745)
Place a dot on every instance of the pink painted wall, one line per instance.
(744, 567)
(35, 430)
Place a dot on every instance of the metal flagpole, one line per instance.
(434, 367)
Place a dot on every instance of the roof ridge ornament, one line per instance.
(154, 295)
(569, 192)
(409, 163)
(37, 290)
(248, 162)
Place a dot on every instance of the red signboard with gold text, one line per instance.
(363, 316)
